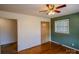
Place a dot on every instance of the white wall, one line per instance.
(7, 31)
(0, 49)
(29, 29)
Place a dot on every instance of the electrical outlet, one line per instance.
(72, 44)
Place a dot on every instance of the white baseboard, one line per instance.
(65, 45)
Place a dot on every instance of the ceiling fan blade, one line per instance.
(47, 5)
(50, 6)
(64, 5)
(44, 11)
(57, 11)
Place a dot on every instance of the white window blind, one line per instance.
(62, 26)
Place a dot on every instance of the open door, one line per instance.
(8, 36)
(44, 32)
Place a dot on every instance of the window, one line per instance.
(62, 26)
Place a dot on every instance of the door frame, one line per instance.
(41, 29)
(16, 32)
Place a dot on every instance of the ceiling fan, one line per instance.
(52, 8)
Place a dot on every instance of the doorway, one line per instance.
(44, 32)
(8, 35)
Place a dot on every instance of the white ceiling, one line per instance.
(33, 9)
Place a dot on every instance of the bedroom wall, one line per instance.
(71, 39)
(29, 29)
(0, 49)
(8, 29)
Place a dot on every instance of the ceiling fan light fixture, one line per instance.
(51, 13)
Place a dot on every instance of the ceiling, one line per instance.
(33, 9)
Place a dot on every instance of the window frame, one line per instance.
(64, 26)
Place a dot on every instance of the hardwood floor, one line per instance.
(49, 48)
(9, 49)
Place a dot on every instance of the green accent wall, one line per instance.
(73, 36)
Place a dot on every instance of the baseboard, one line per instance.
(5, 45)
(65, 46)
(8, 43)
(33, 46)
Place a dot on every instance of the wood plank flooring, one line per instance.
(49, 48)
(9, 49)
